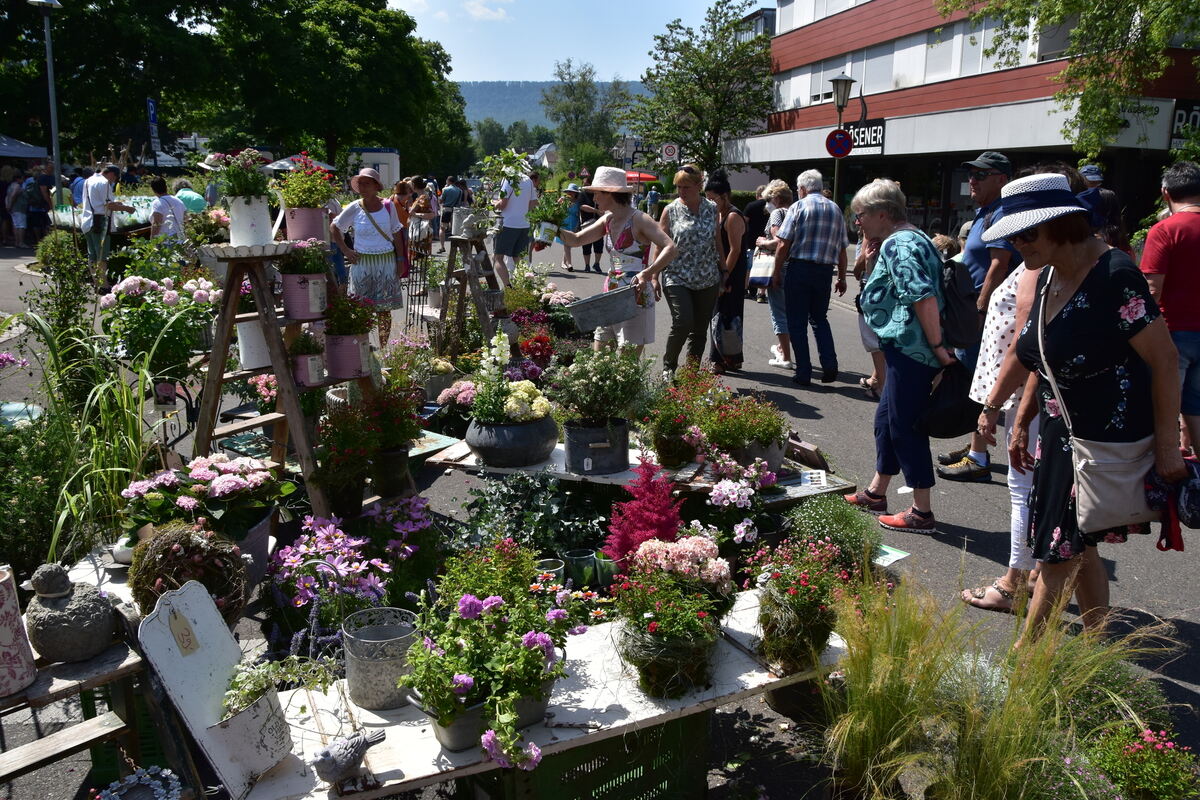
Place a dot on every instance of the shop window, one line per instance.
(1052, 41)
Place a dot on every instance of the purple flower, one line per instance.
(491, 745)
(536, 639)
(555, 614)
(492, 603)
(562, 597)
(463, 684)
(470, 606)
(534, 754)
(578, 629)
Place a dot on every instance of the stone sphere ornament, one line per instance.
(67, 621)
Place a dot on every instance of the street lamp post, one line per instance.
(841, 96)
(47, 6)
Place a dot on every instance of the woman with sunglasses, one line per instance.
(692, 282)
(1109, 352)
(901, 302)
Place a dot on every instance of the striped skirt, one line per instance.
(373, 276)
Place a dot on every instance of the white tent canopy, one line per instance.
(287, 163)
(15, 148)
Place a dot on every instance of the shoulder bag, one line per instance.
(762, 267)
(1109, 476)
(400, 248)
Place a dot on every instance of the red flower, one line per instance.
(652, 627)
(792, 591)
(701, 614)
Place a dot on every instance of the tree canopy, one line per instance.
(705, 87)
(584, 112)
(1115, 49)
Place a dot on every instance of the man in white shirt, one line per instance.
(513, 238)
(167, 214)
(98, 202)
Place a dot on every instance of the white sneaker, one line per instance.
(779, 362)
(775, 351)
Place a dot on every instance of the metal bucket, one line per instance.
(606, 308)
(376, 642)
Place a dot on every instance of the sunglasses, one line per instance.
(1024, 237)
(982, 174)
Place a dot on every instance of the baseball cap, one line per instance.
(990, 159)
(1091, 172)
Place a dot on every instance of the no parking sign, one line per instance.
(839, 143)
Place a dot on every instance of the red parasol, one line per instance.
(633, 176)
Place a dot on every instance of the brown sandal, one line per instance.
(972, 596)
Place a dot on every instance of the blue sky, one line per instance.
(519, 40)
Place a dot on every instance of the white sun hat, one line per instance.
(1028, 202)
(609, 179)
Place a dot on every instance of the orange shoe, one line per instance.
(909, 521)
(865, 501)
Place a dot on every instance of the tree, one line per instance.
(109, 56)
(541, 135)
(583, 111)
(519, 135)
(346, 71)
(490, 137)
(1115, 50)
(705, 87)
(441, 143)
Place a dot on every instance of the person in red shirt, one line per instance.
(1171, 263)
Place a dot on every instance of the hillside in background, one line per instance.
(508, 101)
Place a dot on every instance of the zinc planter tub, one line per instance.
(468, 725)
(600, 450)
(376, 642)
(606, 308)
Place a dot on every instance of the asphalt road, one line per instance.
(971, 547)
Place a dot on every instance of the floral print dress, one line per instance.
(1105, 385)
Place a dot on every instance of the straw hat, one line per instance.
(1030, 201)
(366, 172)
(609, 179)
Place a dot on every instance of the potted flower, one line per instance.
(597, 393)
(253, 352)
(796, 583)
(305, 190)
(150, 505)
(393, 412)
(511, 424)
(747, 427)
(308, 367)
(486, 663)
(546, 217)
(245, 186)
(304, 270)
(674, 408)
(670, 604)
(161, 320)
(442, 376)
(407, 362)
(348, 321)
(347, 439)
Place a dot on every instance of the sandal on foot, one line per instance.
(974, 597)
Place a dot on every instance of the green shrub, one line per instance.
(31, 472)
(1147, 765)
(741, 199)
(63, 297)
(830, 517)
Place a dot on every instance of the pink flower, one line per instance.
(187, 503)
(108, 301)
(200, 296)
(170, 298)
(1064, 549)
(1052, 408)
(225, 485)
(1133, 310)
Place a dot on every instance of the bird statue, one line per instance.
(342, 757)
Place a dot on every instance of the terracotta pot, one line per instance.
(306, 223)
(347, 356)
(304, 296)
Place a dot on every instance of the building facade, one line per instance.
(927, 97)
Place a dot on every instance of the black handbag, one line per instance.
(951, 412)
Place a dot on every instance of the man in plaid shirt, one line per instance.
(813, 244)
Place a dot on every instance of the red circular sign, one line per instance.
(839, 143)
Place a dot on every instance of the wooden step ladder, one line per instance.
(466, 264)
(288, 417)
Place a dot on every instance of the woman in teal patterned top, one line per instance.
(901, 302)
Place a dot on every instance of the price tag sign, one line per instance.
(839, 143)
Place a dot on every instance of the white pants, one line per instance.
(1020, 554)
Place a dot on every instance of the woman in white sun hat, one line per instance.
(1108, 353)
(380, 255)
(628, 236)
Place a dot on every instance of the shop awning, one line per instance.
(15, 148)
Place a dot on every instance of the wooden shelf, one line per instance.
(242, 374)
(56, 746)
(243, 425)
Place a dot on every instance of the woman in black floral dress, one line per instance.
(1115, 365)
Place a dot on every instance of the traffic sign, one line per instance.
(152, 110)
(670, 151)
(155, 144)
(839, 143)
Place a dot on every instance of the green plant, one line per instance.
(488, 640)
(306, 345)
(549, 207)
(536, 510)
(249, 682)
(207, 227)
(153, 259)
(307, 257)
(348, 315)
(1147, 765)
(392, 411)
(241, 173)
(407, 361)
(516, 298)
(347, 439)
(405, 531)
(146, 316)
(32, 470)
(599, 385)
(307, 185)
(63, 296)
(742, 420)
(832, 520)
(507, 165)
(180, 552)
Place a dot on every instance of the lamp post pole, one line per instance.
(47, 6)
(841, 97)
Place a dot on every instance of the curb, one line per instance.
(12, 333)
(25, 270)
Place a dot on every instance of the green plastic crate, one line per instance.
(665, 762)
(107, 762)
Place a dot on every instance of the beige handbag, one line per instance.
(1109, 476)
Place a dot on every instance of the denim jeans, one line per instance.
(807, 288)
(1188, 345)
(899, 447)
